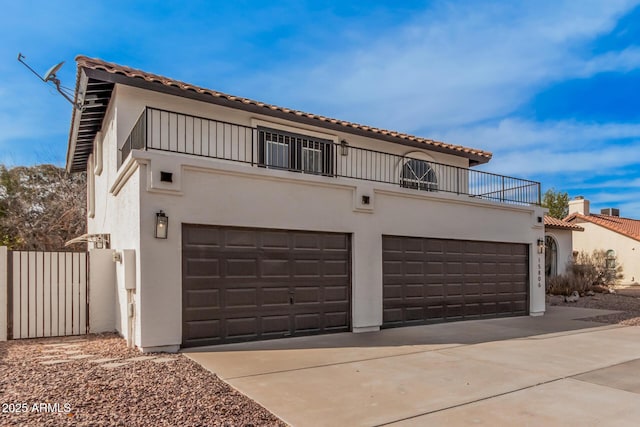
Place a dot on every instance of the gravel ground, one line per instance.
(172, 391)
(627, 302)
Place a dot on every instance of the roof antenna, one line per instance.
(50, 76)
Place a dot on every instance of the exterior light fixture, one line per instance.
(540, 246)
(162, 225)
(344, 148)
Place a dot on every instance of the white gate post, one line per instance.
(4, 308)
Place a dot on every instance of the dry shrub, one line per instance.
(585, 272)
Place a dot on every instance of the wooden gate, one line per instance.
(47, 294)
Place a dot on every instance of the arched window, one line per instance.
(611, 259)
(418, 174)
(550, 257)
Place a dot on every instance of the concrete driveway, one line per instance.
(546, 371)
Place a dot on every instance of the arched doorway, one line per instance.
(550, 257)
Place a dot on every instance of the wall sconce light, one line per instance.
(344, 148)
(540, 246)
(162, 225)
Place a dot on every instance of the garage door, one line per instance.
(436, 280)
(244, 284)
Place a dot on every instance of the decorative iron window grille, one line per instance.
(294, 152)
(419, 174)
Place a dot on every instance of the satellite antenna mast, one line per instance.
(50, 76)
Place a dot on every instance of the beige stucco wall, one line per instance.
(208, 191)
(565, 247)
(627, 250)
(233, 195)
(116, 213)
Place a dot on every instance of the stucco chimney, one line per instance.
(579, 205)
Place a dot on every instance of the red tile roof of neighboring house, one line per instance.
(551, 222)
(478, 155)
(625, 226)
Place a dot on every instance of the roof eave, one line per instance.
(559, 227)
(81, 86)
(474, 159)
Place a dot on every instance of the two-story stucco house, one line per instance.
(241, 220)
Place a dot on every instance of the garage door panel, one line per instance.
(335, 268)
(520, 306)
(392, 315)
(435, 312)
(275, 296)
(392, 291)
(240, 298)
(307, 322)
(201, 236)
(392, 244)
(459, 280)
(335, 243)
(241, 268)
(306, 268)
(335, 320)
(414, 290)
(239, 238)
(275, 324)
(432, 246)
(275, 240)
(274, 268)
(414, 313)
(256, 284)
(454, 311)
(307, 294)
(203, 329)
(336, 294)
(200, 314)
(454, 291)
(392, 268)
(203, 298)
(202, 268)
(241, 327)
(306, 241)
(414, 268)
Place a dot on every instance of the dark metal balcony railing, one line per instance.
(180, 133)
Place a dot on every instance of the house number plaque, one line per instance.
(539, 271)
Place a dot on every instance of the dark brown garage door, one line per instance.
(244, 284)
(436, 280)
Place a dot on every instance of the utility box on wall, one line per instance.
(129, 265)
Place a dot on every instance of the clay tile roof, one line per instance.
(109, 67)
(625, 226)
(551, 222)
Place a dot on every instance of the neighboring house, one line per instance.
(283, 223)
(558, 245)
(619, 237)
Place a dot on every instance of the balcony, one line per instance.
(168, 131)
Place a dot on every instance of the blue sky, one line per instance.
(552, 88)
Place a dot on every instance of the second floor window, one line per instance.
(284, 150)
(419, 174)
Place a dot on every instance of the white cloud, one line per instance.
(453, 64)
(518, 134)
